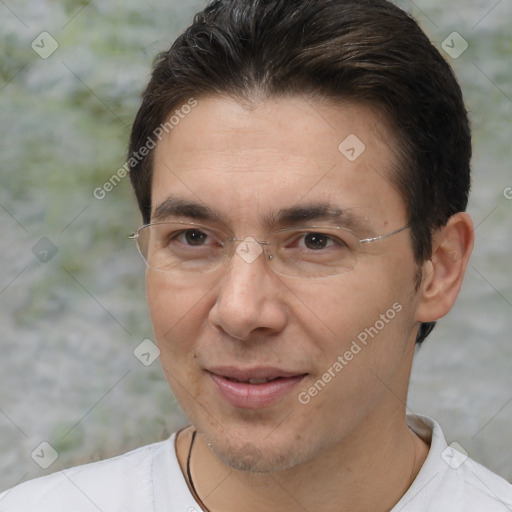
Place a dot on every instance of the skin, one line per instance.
(350, 447)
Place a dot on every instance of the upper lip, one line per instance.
(260, 372)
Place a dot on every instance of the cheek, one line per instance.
(177, 316)
(177, 313)
(345, 307)
(365, 349)
(364, 319)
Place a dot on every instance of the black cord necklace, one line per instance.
(189, 474)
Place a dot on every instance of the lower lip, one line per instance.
(254, 396)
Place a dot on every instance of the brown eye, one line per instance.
(316, 241)
(195, 236)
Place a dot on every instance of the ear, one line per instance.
(444, 271)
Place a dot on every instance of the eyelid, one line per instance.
(317, 229)
(211, 232)
(188, 226)
(226, 235)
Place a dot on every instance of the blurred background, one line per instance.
(72, 302)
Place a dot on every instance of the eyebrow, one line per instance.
(174, 207)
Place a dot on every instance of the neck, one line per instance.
(369, 470)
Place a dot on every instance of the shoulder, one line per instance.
(484, 487)
(120, 483)
(450, 480)
(469, 487)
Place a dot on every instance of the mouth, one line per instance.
(255, 381)
(255, 388)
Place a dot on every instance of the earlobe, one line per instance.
(444, 272)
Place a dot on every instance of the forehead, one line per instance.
(247, 162)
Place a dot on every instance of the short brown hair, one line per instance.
(357, 50)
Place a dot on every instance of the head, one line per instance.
(365, 51)
(263, 94)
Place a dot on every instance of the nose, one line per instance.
(249, 296)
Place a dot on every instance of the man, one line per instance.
(304, 228)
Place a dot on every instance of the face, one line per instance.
(338, 345)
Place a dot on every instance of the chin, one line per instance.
(256, 457)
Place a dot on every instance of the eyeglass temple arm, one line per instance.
(368, 240)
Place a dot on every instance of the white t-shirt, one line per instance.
(150, 479)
